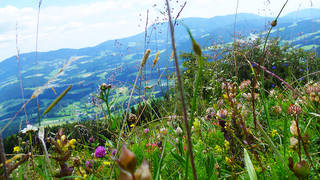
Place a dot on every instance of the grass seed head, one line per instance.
(145, 57)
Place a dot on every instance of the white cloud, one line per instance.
(94, 22)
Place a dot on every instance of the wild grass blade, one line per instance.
(57, 100)
(198, 76)
(249, 166)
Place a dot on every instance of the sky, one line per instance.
(83, 23)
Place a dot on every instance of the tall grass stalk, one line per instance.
(36, 57)
(263, 95)
(19, 76)
(234, 40)
(124, 123)
(184, 107)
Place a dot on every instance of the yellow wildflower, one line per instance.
(274, 133)
(107, 163)
(226, 145)
(228, 160)
(132, 125)
(59, 142)
(196, 123)
(72, 143)
(16, 149)
(218, 149)
(63, 137)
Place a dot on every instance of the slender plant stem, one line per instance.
(265, 104)
(36, 59)
(196, 89)
(3, 158)
(184, 109)
(106, 94)
(19, 75)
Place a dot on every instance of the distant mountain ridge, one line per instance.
(116, 61)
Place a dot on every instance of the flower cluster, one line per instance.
(210, 114)
(230, 90)
(313, 91)
(244, 85)
(100, 152)
(294, 109)
(62, 146)
(132, 119)
(64, 143)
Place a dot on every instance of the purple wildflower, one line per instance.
(89, 163)
(159, 144)
(100, 152)
(91, 139)
(114, 152)
(146, 131)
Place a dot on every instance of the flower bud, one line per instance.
(301, 169)
(196, 48)
(143, 172)
(274, 23)
(178, 131)
(293, 141)
(294, 128)
(127, 160)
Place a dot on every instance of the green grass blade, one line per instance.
(249, 166)
(55, 102)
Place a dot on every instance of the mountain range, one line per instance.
(117, 61)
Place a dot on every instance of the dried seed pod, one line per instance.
(274, 23)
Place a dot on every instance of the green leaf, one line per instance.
(249, 166)
(179, 158)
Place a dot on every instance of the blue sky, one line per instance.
(83, 23)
